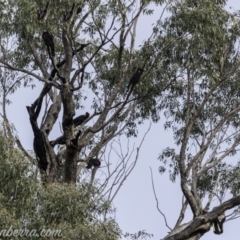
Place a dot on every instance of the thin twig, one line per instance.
(157, 202)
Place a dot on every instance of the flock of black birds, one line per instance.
(93, 162)
(48, 40)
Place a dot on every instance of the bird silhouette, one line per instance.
(48, 39)
(135, 78)
(95, 162)
(80, 119)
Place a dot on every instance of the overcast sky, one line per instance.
(135, 203)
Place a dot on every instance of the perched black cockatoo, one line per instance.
(48, 39)
(80, 119)
(40, 151)
(95, 162)
(60, 140)
(218, 224)
(79, 10)
(135, 78)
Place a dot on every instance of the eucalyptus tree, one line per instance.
(202, 109)
(190, 65)
(84, 53)
(30, 210)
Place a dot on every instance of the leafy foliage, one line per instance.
(25, 203)
(191, 75)
(206, 63)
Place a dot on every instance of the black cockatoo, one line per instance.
(135, 78)
(218, 224)
(48, 39)
(93, 162)
(80, 119)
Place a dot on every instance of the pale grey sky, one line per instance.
(135, 203)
